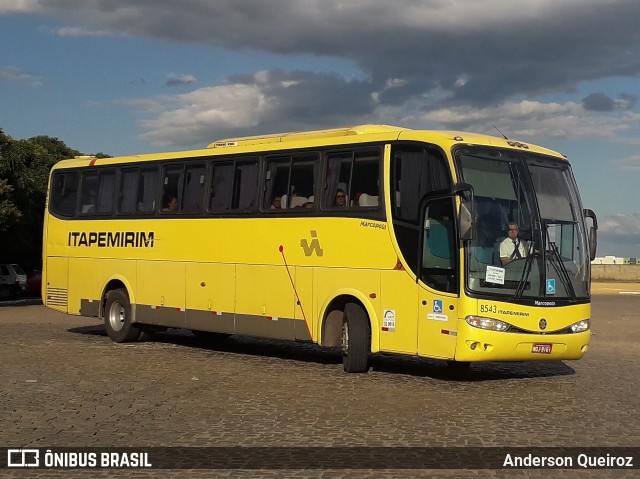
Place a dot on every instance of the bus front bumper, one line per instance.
(474, 344)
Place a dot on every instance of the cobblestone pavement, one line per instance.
(65, 384)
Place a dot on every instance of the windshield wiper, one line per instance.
(528, 262)
(561, 269)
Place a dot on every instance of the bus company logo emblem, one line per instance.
(314, 246)
(543, 324)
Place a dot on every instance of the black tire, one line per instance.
(356, 339)
(117, 318)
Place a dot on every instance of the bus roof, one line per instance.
(306, 135)
(305, 139)
(392, 132)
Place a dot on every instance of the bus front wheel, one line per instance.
(355, 339)
(117, 318)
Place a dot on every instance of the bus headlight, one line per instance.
(581, 326)
(487, 323)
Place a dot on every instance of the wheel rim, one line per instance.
(116, 316)
(345, 338)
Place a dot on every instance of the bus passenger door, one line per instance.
(438, 280)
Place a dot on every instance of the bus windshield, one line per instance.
(530, 239)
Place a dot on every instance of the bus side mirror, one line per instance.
(593, 235)
(466, 227)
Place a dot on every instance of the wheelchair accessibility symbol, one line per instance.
(437, 306)
(551, 286)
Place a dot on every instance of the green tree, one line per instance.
(8, 210)
(24, 175)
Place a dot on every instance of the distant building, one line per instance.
(615, 260)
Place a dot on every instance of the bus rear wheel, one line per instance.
(355, 339)
(117, 318)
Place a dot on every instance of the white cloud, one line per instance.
(20, 6)
(455, 63)
(177, 79)
(79, 32)
(504, 47)
(195, 117)
(620, 225)
(528, 119)
(632, 163)
(12, 73)
(267, 101)
(619, 235)
(272, 100)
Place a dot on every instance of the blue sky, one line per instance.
(122, 77)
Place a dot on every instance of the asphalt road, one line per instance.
(65, 384)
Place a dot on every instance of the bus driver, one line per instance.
(512, 247)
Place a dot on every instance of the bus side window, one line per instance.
(416, 172)
(193, 188)
(337, 177)
(288, 178)
(221, 187)
(245, 186)
(97, 192)
(64, 193)
(106, 190)
(89, 192)
(438, 268)
(147, 189)
(276, 182)
(171, 186)
(302, 183)
(365, 183)
(128, 193)
(137, 190)
(234, 186)
(355, 173)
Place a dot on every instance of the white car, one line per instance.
(13, 281)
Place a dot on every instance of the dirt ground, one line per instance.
(615, 287)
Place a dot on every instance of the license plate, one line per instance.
(541, 348)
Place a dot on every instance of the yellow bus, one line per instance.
(369, 238)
